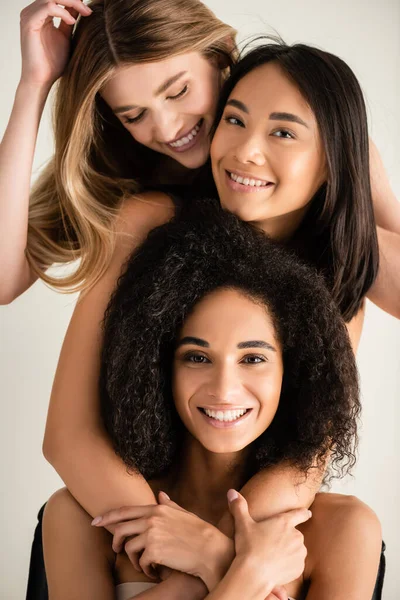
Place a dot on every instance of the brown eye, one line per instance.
(197, 359)
(284, 134)
(253, 359)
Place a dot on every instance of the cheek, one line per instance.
(303, 167)
(141, 134)
(219, 146)
(202, 102)
(268, 392)
(184, 386)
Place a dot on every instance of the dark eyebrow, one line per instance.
(275, 116)
(160, 90)
(256, 344)
(249, 344)
(237, 104)
(284, 116)
(193, 340)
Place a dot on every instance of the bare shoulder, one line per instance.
(65, 519)
(142, 212)
(343, 540)
(137, 216)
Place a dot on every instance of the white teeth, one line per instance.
(186, 139)
(226, 415)
(247, 181)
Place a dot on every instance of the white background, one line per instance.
(367, 36)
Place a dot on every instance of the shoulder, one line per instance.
(142, 212)
(136, 217)
(65, 522)
(349, 532)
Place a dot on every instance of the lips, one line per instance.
(245, 182)
(188, 140)
(225, 419)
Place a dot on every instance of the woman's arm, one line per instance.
(386, 205)
(44, 55)
(275, 491)
(75, 441)
(385, 291)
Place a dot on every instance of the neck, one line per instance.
(201, 481)
(282, 228)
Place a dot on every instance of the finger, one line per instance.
(163, 498)
(146, 564)
(127, 529)
(279, 592)
(297, 516)
(125, 513)
(84, 10)
(133, 548)
(45, 15)
(238, 508)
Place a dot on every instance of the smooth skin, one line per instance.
(228, 357)
(74, 410)
(74, 428)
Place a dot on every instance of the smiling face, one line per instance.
(227, 371)
(169, 105)
(267, 156)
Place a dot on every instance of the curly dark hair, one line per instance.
(196, 253)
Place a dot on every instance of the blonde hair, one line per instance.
(96, 162)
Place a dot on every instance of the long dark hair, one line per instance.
(338, 234)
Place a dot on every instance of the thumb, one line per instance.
(163, 498)
(238, 508)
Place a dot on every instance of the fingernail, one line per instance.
(88, 9)
(97, 520)
(165, 495)
(232, 495)
(309, 513)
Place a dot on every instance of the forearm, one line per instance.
(243, 580)
(16, 158)
(385, 291)
(177, 587)
(97, 477)
(274, 491)
(386, 205)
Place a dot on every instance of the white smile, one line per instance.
(225, 415)
(186, 139)
(247, 181)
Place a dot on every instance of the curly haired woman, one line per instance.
(223, 356)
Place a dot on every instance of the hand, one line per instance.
(44, 47)
(273, 548)
(170, 536)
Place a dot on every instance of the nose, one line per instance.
(165, 126)
(224, 384)
(251, 151)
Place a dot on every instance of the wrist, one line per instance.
(40, 90)
(248, 568)
(218, 556)
(187, 586)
